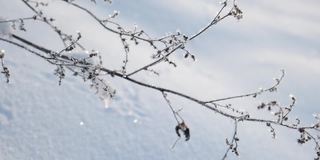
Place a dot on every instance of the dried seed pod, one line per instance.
(184, 128)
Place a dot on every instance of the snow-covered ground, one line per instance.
(41, 120)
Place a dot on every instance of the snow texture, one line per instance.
(5, 28)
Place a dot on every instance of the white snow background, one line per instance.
(41, 120)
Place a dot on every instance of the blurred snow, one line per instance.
(5, 28)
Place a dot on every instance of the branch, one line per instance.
(233, 145)
(254, 94)
(149, 40)
(245, 118)
(164, 46)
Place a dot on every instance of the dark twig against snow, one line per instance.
(87, 64)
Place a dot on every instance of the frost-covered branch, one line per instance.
(212, 106)
(233, 144)
(5, 70)
(73, 57)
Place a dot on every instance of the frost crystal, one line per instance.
(2, 52)
(85, 56)
(115, 14)
(292, 96)
(103, 90)
(109, 1)
(91, 72)
(316, 115)
(260, 89)
(317, 118)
